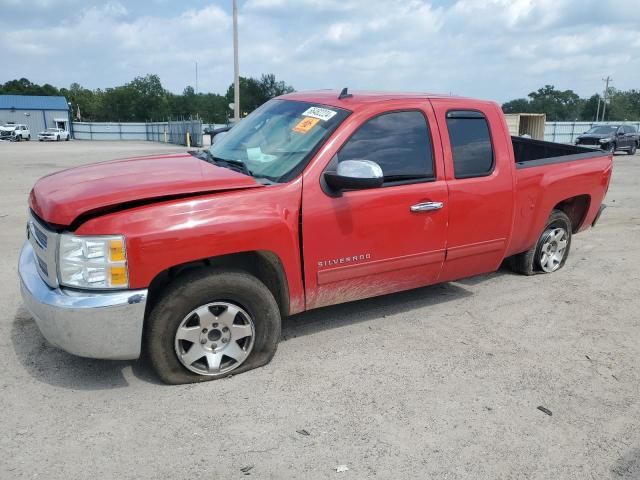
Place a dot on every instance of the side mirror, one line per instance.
(620, 133)
(355, 175)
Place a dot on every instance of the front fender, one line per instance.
(174, 232)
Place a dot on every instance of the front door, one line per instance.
(363, 243)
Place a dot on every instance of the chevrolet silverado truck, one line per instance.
(314, 199)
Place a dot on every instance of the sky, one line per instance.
(493, 49)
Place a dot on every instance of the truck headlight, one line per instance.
(93, 262)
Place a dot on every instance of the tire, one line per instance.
(29, 138)
(58, 138)
(612, 148)
(208, 291)
(537, 259)
(66, 139)
(632, 150)
(18, 138)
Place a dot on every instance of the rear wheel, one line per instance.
(632, 150)
(550, 251)
(28, 137)
(211, 323)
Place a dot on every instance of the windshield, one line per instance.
(277, 140)
(52, 129)
(603, 129)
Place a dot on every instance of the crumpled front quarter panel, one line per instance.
(170, 233)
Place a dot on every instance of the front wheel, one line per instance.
(632, 150)
(212, 323)
(550, 252)
(58, 138)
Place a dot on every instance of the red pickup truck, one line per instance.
(314, 199)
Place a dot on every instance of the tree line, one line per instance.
(566, 105)
(145, 99)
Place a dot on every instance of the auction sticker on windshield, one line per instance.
(305, 125)
(323, 114)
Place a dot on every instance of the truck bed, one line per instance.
(533, 153)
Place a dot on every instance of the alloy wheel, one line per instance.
(215, 338)
(553, 249)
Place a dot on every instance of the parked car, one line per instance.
(313, 200)
(611, 138)
(15, 132)
(54, 134)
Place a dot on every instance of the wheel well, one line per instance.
(576, 209)
(264, 265)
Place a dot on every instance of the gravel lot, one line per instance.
(441, 382)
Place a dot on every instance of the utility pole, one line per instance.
(606, 93)
(236, 66)
(196, 78)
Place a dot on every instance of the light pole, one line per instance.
(236, 67)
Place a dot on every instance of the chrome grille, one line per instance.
(45, 248)
(41, 237)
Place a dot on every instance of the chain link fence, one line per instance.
(168, 132)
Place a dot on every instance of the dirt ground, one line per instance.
(441, 382)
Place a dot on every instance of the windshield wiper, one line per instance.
(235, 165)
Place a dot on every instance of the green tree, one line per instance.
(144, 98)
(559, 105)
(254, 92)
(590, 108)
(519, 105)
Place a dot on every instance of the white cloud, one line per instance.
(496, 49)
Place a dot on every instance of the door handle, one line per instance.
(427, 206)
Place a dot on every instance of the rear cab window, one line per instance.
(399, 141)
(471, 146)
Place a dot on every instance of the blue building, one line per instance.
(35, 111)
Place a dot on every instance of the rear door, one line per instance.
(478, 157)
(628, 136)
(362, 243)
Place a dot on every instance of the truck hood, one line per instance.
(62, 197)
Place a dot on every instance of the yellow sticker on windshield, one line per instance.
(306, 124)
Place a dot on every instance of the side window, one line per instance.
(470, 144)
(398, 141)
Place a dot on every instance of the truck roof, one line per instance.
(361, 98)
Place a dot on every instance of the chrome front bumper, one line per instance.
(89, 324)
